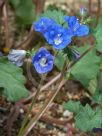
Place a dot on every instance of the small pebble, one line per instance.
(21, 111)
(49, 126)
(66, 113)
(65, 129)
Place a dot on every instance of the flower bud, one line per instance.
(17, 56)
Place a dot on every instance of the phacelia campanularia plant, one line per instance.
(59, 37)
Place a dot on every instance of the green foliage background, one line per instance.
(24, 11)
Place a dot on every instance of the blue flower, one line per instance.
(43, 24)
(58, 36)
(76, 27)
(43, 61)
(17, 57)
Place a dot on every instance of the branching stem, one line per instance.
(34, 120)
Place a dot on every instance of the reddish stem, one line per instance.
(39, 4)
(90, 3)
(6, 28)
(98, 12)
(27, 41)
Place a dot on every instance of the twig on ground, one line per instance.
(11, 118)
(51, 120)
(48, 119)
(39, 8)
(44, 87)
(1, 6)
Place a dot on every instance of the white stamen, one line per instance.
(43, 62)
(42, 23)
(58, 39)
(59, 35)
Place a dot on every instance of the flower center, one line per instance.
(42, 23)
(43, 61)
(58, 39)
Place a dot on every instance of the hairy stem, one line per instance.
(33, 100)
(39, 5)
(41, 112)
(34, 120)
(27, 41)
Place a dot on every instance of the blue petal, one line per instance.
(83, 30)
(63, 44)
(52, 34)
(43, 24)
(66, 18)
(73, 22)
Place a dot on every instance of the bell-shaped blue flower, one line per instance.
(58, 36)
(17, 57)
(77, 29)
(43, 61)
(43, 24)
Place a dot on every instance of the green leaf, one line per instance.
(98, 36)
(12, 80)
(99, 47)
(57, 15)
(15, 3)
(87, 68)
(73, 106)
(97, 97)
(24, 10)
(87, 119)
(81, 49)
(93, 85)
(59, 61)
